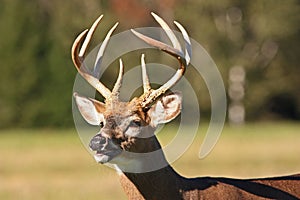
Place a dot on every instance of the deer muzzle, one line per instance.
(105, 149)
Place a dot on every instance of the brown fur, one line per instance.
(167, 184)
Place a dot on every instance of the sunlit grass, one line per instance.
(255, 150)
(49, 164)
(53, 164)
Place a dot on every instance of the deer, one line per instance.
(127, 130)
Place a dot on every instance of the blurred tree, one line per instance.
(21, 53)
(37, 74)
(260, 35)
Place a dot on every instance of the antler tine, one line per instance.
(188, 45)
(146, 83)
(116, 89)
(162, 46)
(175, 51)
(89, 36)
(75, 48)
(78, 57)
(168, 31)
(101, 50)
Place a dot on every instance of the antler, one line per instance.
(78, 60)
(149, 95)
(183, 57)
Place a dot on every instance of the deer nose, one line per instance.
(97, 142)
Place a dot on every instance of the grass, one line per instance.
(53, 164)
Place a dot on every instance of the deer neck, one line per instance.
(151, 184)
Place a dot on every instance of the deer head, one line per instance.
(128, 126)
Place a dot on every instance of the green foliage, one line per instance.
(261, 36)
(37, 74)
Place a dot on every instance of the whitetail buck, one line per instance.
(128, 127)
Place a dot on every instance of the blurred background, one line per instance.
(255, 45)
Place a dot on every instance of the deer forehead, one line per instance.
(121, 112)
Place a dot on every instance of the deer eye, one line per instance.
(135, 123)
(101, 124)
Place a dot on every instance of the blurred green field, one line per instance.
(53, 164)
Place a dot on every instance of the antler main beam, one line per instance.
(78, 55)
(176, 51)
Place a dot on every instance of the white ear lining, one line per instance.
(88, 110)
(165, 109)
(157, 114)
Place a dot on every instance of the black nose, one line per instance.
(97, 142)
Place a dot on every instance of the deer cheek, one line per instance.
(127, 144)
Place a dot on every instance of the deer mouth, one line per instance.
(104, 156)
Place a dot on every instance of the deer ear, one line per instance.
(90, 109)
(165, 109)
